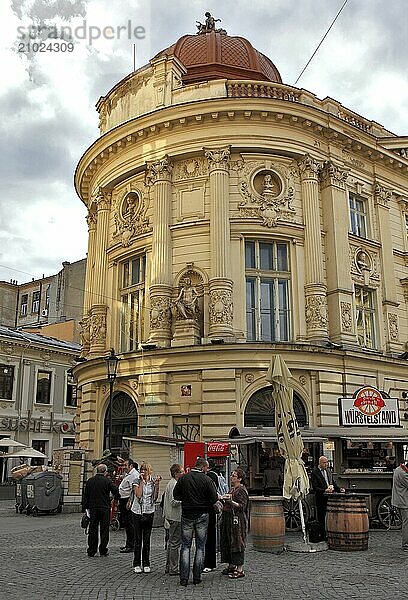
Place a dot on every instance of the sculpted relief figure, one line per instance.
(269, 186)
(185, 306)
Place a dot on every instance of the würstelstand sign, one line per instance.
(368, 407)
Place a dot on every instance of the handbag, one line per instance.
(85, 520)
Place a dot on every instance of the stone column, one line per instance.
(159, 175)
(382, 198)
(315, 288)
(99, 307)
(220, 284)
(85, 323)
(338, 276)
(88, 418)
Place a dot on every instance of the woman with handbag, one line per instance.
(234, 526)
(142, 504)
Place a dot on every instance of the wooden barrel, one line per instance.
(267, 523)
(347, 522)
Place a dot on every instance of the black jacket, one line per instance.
(97, 492)
(318, 481)
(197, 493)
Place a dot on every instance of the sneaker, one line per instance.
(146, 569)
(405, 548)
(208, 570)
(183, 582)
(138, 570)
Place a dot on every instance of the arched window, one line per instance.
(124, 421)
(260, 409)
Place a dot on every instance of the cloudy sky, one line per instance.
(47, 99)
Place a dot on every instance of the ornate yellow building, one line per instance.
(232, 217)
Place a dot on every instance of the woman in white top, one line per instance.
(145, 494)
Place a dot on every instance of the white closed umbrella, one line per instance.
(296, 480)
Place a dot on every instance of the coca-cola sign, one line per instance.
(218, 449)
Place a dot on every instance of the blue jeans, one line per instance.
(190, 526)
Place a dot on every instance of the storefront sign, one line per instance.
(369, 407)
(39, 425)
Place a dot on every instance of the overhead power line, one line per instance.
(321, 42)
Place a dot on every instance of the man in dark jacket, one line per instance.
(323, 484)
(197, 494)
(97, 501)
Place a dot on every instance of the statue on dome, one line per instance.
(209, 25)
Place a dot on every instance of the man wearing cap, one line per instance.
(97, 502)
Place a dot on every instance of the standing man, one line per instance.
(125, 489)
(323, 483)
(399, 499)
(97, 501)
(197, 494)
(172, 514)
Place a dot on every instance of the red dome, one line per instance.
(218, 56)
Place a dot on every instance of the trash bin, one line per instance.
(44, 492)
(21, 495)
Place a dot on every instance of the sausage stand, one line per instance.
(362, 451)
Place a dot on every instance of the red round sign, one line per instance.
(369, 401)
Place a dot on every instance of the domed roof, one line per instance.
(215, 55)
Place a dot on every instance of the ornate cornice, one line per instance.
(142, 128)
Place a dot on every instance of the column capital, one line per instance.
(309, 167)
(102, 199)
(91, 221)
(159, 170)
(218, 158)
(331, 174)
(382, 195)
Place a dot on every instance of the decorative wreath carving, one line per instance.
(267, 190)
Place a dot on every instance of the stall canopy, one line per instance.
(26, 453)
(250, 435)
(9, 443)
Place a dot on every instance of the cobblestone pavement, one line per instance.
(45, 558)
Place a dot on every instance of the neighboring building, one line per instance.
(37, 391)
(232, 217)
(54, 300)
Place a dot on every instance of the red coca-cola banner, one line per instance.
(217, 449)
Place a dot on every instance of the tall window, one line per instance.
(132, 303)
(43, 394)
(358, 216)
(71, 391)
(365, 317)
(6, 382)
(267, 291)
(24, 305)
(35, 307)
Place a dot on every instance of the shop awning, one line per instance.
(249, 435)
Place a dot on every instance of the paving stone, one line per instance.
(44, 558)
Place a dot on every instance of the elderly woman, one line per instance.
(142, 505)
(234, 526)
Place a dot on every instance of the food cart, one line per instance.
(362, 451)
